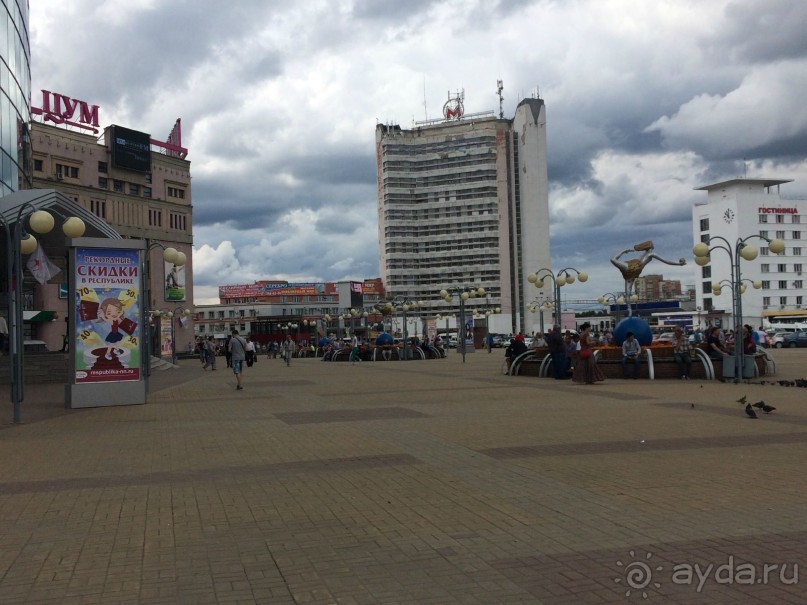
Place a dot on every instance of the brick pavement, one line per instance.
(406, 482)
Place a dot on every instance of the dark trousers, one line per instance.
(635, 362)
(559, 364)
(684, 363)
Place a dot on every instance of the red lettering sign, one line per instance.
(61, 109)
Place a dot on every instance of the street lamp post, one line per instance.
(464, 293)
(171, 314)
(18, 243)
(618, 301)
(486, 313)
(559, 279)
(741, 250)
(170, 255)
(540, 305)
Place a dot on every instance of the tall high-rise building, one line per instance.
(463, 202)
(15, 98)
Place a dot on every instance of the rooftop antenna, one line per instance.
(499, 89)
(425, 109)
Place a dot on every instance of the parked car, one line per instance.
(777, 340)
(665, 338)
(795, 339)
(498, 341)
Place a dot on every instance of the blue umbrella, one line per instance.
(323, 342)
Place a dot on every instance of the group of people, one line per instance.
(572, 354)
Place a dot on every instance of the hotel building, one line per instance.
(463, 202)
(736, 209)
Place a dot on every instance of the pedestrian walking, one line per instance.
(210, 350)
(237, 350)
(287, 349)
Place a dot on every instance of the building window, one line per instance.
(148, 177)
(763, 234)
(763, 251)
(147, 192)
(796, 218)
(783, 284)
(705, 238)
(38, 165)
(704, 224)
(799, 300)
(797, 235)
(134, 189)
(117, 186)
(706, 272)
(98, 208)
(764, 268)
(211, 314)
(797, 268)
(766, 285)
(102, 167)
(707, 287)
(797, 251)
(798, 284)
(177, 221)
(783, 300)
(155, 217)
(766, 301)
(763, 218)
(231, 313)
(102, 182)
(176, 192)
(64, 172)
(781, 268)
(780, 218)
(780, 235)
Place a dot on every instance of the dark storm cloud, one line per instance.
(335, 168)
(763, 31)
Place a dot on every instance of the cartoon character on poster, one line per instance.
(107, 314)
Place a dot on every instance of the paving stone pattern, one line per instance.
(407, 482)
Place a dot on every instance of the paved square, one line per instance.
(407, 482)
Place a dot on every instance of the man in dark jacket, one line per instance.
(516, 348)
(557, 349)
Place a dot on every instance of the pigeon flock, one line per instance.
(749, 407)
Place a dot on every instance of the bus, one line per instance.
(784, 321)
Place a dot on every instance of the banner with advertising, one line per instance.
(108, 307)
(166, 336)
(174, 283)
(467, 332)
(271, 289)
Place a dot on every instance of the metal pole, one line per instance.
(557, 301)
(17, 341)
(461, 337)
(403, 310)
(738, 310)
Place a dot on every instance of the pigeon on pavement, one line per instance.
(741, 399)
(750, 411)
(767, 408)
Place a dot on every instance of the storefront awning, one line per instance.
(39, 315)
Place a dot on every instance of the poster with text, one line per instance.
(107, 338)
(174, 282)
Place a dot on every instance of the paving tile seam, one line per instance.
(356, 463)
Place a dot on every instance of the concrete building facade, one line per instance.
(736, 209)
(464, 203)
(152, 204)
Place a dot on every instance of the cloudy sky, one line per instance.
(646, 100)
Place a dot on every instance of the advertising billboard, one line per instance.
(107, 311)
(131, 150)
(356, 294)
(174, 282)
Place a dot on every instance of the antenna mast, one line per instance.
(500, 88)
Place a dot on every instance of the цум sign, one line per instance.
(61, 109)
